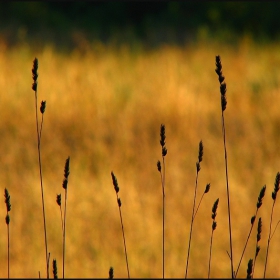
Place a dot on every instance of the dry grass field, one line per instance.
(104, 109)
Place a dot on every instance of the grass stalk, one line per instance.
(214, 225)
(200, 154)
(8, 207)
(39, 134)
(162, 175)
(117, 189)
(274, 196)
(223, 90)
(64, 185)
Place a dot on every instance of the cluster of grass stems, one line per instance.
(161, 166)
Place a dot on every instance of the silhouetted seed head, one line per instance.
(207, 188)
(115, 182)
(7, 200)
(65, 183)
(214, 225)
(200, 151)
(218, 65)
(197, 167)
(214, 209)
(257, 250)
(162, 135)
(54, 269)
(259, 230)
(164, 151)
(111, 273)
(276, 186)
(159, 166)
(35, 74)
(67, 168)
(119, 202)
(250, 269)
(7, 219)
(261, 196)
(253, 219)
(43, 107)
(58, 199)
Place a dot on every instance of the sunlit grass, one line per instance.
(104, 109)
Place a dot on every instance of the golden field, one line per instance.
(104, 110)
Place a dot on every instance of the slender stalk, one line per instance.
(200, 154)
(162, 175)
(64, 185)
(116, 186)
(214, 225)
(34, 87)
(274, 196)
(9, 207)
(223, 106)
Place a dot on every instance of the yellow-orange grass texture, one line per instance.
(104, 110)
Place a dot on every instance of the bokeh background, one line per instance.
(111, 74)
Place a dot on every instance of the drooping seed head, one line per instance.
(261, 196)
(276, 186)
(55, 269)
(207, 188)
(115, 182)
(58, 199)
(159, 166)
(111, 273)
(43, 107)
(7, 200)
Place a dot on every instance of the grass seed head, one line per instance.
(7, 200)
(115, 182)
(276, 186)
(111, 273)
(261, 196)
(250, 269)
(35, 74)
(58, 199)
(207, 188)
(43, 107)
(159, 166)
(54, 269)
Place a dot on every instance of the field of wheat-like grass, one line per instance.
(104, 109)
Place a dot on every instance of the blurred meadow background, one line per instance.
(111, 74)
